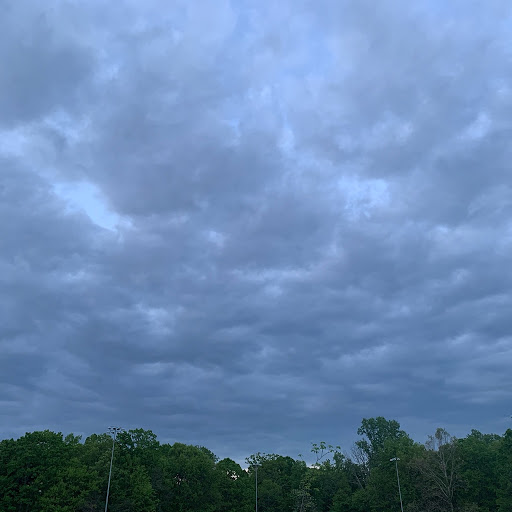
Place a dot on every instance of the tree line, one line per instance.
(46, 472)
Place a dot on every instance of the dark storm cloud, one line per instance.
(311, 225)
(44, 63)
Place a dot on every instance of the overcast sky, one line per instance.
(250, 224)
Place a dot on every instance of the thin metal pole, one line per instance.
(113, 430)
(398, 480)
(256, 488)
(256, 466)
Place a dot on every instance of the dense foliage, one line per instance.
(46, 472)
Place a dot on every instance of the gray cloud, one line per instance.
(310, 225)
(46, 65)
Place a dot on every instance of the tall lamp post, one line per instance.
(395, 460)
(256, 466)
(113, 431)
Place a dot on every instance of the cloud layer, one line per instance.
(248, 226)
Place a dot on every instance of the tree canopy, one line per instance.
(47, 472)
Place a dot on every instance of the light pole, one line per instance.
(395, 460)
(256, 466)
(114, 431)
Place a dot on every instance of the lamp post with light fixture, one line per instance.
(395, 460)
(256, 466)
(114, 431)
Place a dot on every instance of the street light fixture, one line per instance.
(395, 460)
(113, 431)
(256, 466)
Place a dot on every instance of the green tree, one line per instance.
(235, 487)
(330, 478)
(440, 469)
(375, 432)
(504, 467)
(382, 489)
(32, 468)
(189, 478)
(142, 495)
(9, 483)
(278, 477)
(359, 502)
(73, 491)
(303, 498)
(95, 455)
(271, 497)
(479, 470)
